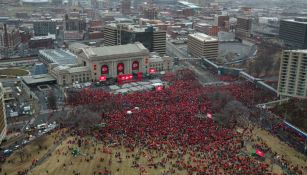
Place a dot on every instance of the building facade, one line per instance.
(158, 63)
(222, 22)
(66, 75)
(9, 37)
(152, 38)
(3, 122)
(244, 27)
(125, 7)
(112, 61)
(293, 74)
(44, 27)
(207, 29)
(294, 32)
(202, 45)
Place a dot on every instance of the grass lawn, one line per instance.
(34, 150)
(92, 158)
(13, 72)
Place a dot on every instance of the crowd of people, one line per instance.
(166, 120)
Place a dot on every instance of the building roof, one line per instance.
(58, 56)
(77, 47)
(37, 79)
(120, 51)
(35, 1)
(297, 51)
(189, 4)
(203, 37)
(70, 70)
(78, 69)
(300, 20)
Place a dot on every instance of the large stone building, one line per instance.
(112, 61)
(202, 45)
(293, 74)
(294, 32)
(3, 123)
(67, 75)
(152, 38)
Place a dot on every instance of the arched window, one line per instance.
(135, 65)
(120, 68)
(104, 69)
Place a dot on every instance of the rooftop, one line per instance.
(189, 4)
(203, 37)
(37, 79)
(298, 51)
(35, 1)
(301, 20)
(43, 37)
(120, 51)
(58, 56)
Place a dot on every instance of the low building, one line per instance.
(66, 75)
(159, 63)
(202, 45)
(42, 42)
(8, 94)
(207, 29)
(34, 80)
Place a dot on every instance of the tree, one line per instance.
(82, 118)
(234, 114)
(52, 100)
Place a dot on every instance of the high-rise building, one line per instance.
(222, 22)
(3, 123)
(244, 27)
(202, 45)
(74, 23)
(294, 32)
(125, 7)
(150, 12)
(152, 38)
(9, 37)
(43, 27)
(293, 74)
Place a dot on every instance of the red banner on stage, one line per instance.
(152, 70)
(104, 69)
(102, 78)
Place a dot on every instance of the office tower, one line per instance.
(294, 32)
(292, 74)
(202, 45)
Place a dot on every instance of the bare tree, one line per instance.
(52, 100)
(21, 153)
(82, 118)
(234, 114)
